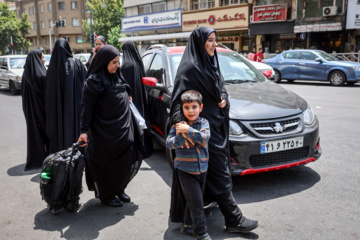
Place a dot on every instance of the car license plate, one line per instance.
(281, 145)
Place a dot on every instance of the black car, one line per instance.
(270, 127)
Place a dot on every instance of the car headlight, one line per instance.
(356, 68)
(309, 116)
(18, 78)
(235, 128)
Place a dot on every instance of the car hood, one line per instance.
(262, 100)
(17, 71)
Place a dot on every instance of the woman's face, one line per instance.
(98, 44)
(210, 44)
(113, 65)
(43, 58)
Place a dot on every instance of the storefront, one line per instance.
(274, 25)
(230, 23)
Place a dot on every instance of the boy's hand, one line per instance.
(182, 127)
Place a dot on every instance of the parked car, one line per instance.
(11, 71)
(83, 57)
(270, 128)
(265, 69)
(309, 64)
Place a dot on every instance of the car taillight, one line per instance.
(267, 73)
(317, 145)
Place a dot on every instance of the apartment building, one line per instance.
(44, 13)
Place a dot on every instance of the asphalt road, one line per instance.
(318, 201)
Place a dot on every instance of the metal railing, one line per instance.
(353, 57)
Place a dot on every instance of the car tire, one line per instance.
(170, 154)
(337, 78)
(277, 77)
(12, 88)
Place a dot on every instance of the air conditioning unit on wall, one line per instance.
(330, 11)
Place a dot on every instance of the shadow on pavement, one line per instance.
(86, 223)
(18, 170)
(316, 83)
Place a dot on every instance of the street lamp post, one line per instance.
(91, 26)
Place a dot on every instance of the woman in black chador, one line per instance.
(115, 144)
(32, 92)
(132, 68)
(64, 83)
(199, 70)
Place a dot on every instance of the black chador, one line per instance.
(198, 71)
(114, 151)
(132, 69)
(32, 92)
(64, 83)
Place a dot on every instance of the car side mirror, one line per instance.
(319, 60)
(152, 83)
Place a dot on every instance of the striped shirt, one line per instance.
(195, 159)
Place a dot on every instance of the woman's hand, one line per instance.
(83, 138)
(222, 104)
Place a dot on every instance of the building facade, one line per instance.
(44, 13)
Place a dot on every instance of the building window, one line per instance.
(35, 27)
(315, 8)
(50, 23)
(32, 26)
(47, 40)
(231, 2)
(144, 9)
(24, 10)
(30, 10)
(74, 5)
(75, 22)
(34, 10)
(158, 7)
(41, 8)
(37, 41)
(132, 11)
(49, 7)
(67, 38)
(202, 4)
(61, 6)
(42, 24)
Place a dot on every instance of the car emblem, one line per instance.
(278, 128)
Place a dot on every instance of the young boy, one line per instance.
(191, 161)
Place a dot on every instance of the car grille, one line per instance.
(277, 127)
(276, 158)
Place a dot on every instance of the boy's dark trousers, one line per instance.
(193, 189)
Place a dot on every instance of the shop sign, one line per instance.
(270, 13)
(79, 39)
(326, 27)
(168, 19)
(221, 19)
(228, 39)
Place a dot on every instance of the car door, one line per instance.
(288, 65)
(159, 100)
(309, 68)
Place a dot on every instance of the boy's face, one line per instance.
(191, 111)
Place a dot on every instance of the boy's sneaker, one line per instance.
(246, 225)
(187, 229)
(204, 236)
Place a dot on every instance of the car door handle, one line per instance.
(281, 61)
(301, 63)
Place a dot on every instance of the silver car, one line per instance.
(11, 71)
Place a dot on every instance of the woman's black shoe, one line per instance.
(124, 197)
(116, 202)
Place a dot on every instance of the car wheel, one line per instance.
(12, 88)
(337, 78)
(277, 77)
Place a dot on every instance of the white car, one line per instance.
(263, 68)
(83, 57)
(11, 71)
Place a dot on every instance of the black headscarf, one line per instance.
(64, 83)
(198, 72)
(132, 69)
(32, 92)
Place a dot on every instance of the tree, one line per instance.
(106, 17)
(114, 35)
(10, 26)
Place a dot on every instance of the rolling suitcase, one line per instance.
(61, 179)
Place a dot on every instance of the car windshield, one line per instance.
(233, 68)
(326, 56)
(16, 63)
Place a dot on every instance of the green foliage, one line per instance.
(106, 17)
(16, 28)
(114, 35)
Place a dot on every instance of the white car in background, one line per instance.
(264, 69)
(83, 57)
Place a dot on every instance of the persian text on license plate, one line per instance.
(281, 145)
